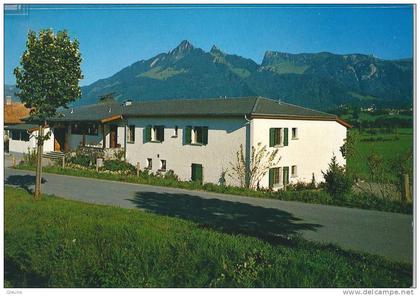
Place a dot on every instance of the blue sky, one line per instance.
(113, 37)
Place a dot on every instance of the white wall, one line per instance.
(317, 142)
(23, 146)
(224, 138)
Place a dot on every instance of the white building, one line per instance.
(199, 139)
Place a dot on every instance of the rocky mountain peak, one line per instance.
(215, 50)
(184, 47)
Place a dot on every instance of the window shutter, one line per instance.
(272, 136)
(270, 177)
(285, 175)
(148, 134)
(161, 133)
(200, 173)
(188, 134)
(205, 135)
(286, 137)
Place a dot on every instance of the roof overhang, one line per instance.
(112, 118)
(298, 117)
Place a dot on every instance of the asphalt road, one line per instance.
(382, 233)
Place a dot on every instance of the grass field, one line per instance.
(60, 243)
(387, 146)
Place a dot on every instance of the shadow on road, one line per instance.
(23, 181)
(272, 225)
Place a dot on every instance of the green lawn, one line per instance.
(61, 243)
(385, 145)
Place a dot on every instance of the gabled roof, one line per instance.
(256, 107)
(14, 113)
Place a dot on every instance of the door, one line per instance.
(197, 172)
(113, 136)
(59, 139)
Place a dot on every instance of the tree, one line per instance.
(47, 79)
(250, 174)
(337, 183)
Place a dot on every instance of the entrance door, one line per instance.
(59, 139)
(113, 129)
(197, 172)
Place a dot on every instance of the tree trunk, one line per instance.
(40, 146)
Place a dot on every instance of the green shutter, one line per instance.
(270, 178)
(286, 137)
(200, 173)
(205, 135)
(285, 175)
(272, 136)
(188, 134)
(161, 133)
(148, 134)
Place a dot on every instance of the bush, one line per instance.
(170, 175)
(337, 182)
(84, 156)
(83, 160)
(119, 166)
(30, 158)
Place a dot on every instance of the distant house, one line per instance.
(18, 135)
(197, 139)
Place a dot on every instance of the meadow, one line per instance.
(387, 145)
(61, 243)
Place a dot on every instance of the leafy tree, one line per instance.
(337, 183)
(249, 173)
(47, 79)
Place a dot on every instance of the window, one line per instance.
(278, 176)
(15, 135)
(163, 165)
(131, 134)
(154, 133)
(24, 136)
(197, 135)
(19, 135)
(84, 129)
(175, 132)
(294, 133)
(294, 171)
(149, 164)
(279, 137)
(274, 177)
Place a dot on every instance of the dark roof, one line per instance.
(21, 127)
(96, 112)
(250, 106)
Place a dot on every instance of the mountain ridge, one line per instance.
(315, 80)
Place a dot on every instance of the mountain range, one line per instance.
(317, 80)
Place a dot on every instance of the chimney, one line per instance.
(8, 100)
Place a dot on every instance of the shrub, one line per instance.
(170, 175)
(337, 183)
(30, 157)
(84, 156)
(119, 166)
(83, 160)
(298, 186)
